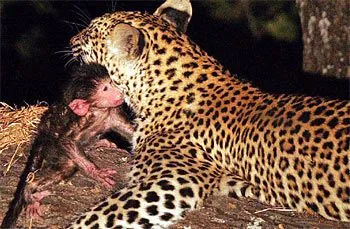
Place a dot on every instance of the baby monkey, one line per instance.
(89, 107)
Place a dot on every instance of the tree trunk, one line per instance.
(326, 36)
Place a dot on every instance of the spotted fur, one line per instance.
(202, 131)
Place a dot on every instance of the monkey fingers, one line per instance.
(104, 176)
(33, 209)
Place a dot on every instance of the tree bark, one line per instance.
(326, 36)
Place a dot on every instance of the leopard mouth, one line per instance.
(80, 60)
(80, 57)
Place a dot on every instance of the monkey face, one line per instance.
(107, 95)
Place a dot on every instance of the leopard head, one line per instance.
(127, 43)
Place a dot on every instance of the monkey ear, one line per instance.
(125, 41)
(177, 12)
(79, 106)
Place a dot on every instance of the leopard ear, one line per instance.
(176, 12)
(125, 41)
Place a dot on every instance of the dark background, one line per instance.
(263, 46)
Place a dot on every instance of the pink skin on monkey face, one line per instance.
(107, 95)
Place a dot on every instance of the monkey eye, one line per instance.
(105, 88)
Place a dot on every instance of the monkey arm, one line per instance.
(79, 158)
(120, 124)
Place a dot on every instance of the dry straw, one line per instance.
(17, 126)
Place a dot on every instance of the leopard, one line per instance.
(203, 131)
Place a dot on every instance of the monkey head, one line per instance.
(91, 86)
(105, 95)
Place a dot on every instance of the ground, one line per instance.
(74, 196)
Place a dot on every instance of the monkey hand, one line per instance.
(104, 176)
(105, 143)
(33, 209)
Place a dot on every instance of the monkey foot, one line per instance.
(105, 143)
(33, 209)
(104, 176)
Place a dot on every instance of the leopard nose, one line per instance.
(72, 41)
(76, 50)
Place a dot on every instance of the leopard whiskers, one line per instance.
(65, 53)
(113, 5)
(83, 16)
(70, 61)
(75, 24)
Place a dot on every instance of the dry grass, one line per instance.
(17, 126)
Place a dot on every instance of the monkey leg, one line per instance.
(35, 191)
(33, 210)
